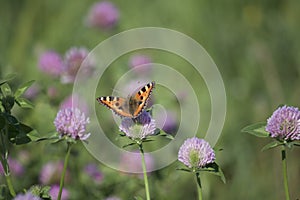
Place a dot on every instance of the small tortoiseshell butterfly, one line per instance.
(132, 106)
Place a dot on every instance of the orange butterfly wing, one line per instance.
(140, 99)
(117, 104)
(129, 108)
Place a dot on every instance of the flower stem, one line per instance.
(10, 186)
(145, 173)
(62, 179)
(5, 165)
(199, 187)
(284, 170)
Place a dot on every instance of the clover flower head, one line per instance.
(51, 63)
(196, 153)
(54, 190)
(138, 128)
(72, 122)
(170, 125)
(75, 59)
(51, 172)
(141, 64)
(132, 162)
(103, 15)
(26, 196)
(16, 168)
(93, 171)
(52, 92)
(284, 123)
(32, 92)
(76, 101)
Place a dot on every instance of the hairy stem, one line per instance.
(199, 187)
(62, 179)
(145, 173)
(284, 171)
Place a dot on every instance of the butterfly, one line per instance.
(129, 107)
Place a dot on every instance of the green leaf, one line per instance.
(23, 89)
(156, 131)
(257, 129)
(121, 134)
(53, 136)
(184, 169)
(166, 135)
(24, 103)
(41, 191)
(7, 78)
(2, 121)
(11, 119)
(4, 193)
(127, 145)
(296, 143)
(18, 133)
(24, 131)
(36, 137)
(6, 90)
(147, 140)
(57, 140)
(221, 174)
(215, 169)
(219, 149)
(2, 109)
(271, 145)
(160, 132)
(138, 198)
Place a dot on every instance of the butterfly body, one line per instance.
(129, 107)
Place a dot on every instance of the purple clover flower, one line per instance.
(140, 63)
(93, 171)
(284, 123)
(138, 59)
(27, 196)
(196, 153)
(74, 100)
(170, 125)
(51, 63)
(73, 61)
(52, 92)
(133, 162)
(103, 15)
(54, 190)
(51, 172)
(15, 166)
(139, 128)
(72, 122)
(32, 92)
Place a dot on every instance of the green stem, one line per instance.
(284, 170)
(5, 165)
(145, 173)
(199, 187)
(62, 179)
(9, 185)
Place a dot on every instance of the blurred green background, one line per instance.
(255, 44)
